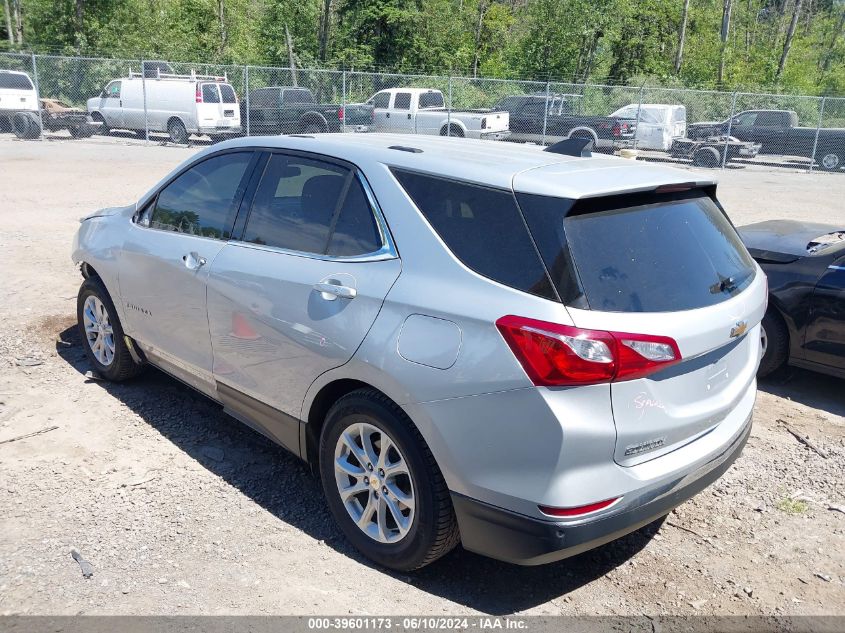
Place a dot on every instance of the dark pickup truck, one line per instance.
(291, 110)
(527, 121)
(778, 132)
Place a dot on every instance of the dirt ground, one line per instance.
(182, 510)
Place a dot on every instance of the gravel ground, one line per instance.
(182, 510)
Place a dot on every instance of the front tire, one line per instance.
(775, 343)
(383, 485)
(101, 333)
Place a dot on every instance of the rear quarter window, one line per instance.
(482, 227)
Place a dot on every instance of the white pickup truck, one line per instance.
(423, 111)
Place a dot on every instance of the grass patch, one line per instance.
(792, 506)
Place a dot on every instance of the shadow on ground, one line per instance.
(807, 387)
(284, 486)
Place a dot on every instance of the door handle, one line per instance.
(331, 292)
(193, 261)
(387, 116)
(409, 115)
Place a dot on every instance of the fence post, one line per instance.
(144, 94)
(639, 109)
(37, 97)
(816, 140)
(343, 101)
(728, 133)
(449, 109)
(545, 116)
(246, 93)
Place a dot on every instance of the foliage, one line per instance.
(595, 41)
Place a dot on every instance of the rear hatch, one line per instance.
(217, 106)
(664, 266)
(16, 92)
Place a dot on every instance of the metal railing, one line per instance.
(703, 127)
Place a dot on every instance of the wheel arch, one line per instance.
(584, 130)
(316, 407)
(454, 123)
(312, 117)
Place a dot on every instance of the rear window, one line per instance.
(228, 93)
(298, 96)
(12, 81)
(431, 100)
(210, 94)
(482, 227)
(657, 253)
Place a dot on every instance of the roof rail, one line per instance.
(193, 76)
(578, 147)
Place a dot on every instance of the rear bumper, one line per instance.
(213, 129)
(495, 136)
(516, 538)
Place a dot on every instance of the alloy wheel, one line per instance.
(764, 341)
(830, 161)
(374, 482)
(98, 330)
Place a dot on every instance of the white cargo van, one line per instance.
(180, 105)
(658, 124)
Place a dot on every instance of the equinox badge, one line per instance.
(739, 329)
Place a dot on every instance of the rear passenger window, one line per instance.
(203, 200)
(210, 94)
(402, 101)
(228, 93)
(312, 207)
(482, 227)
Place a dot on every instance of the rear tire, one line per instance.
(177, 132)
(775, 341)
(25, 125)
(452, 130)
(409, 471)
(101, 333)
(830, 161)
(707, 157)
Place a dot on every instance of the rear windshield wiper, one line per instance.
(725, 284)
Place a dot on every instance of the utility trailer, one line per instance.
(55, 115)
(710, 151)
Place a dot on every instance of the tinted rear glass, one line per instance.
(298, 96)
(210, 94)
(228, 93)
(11, 81)
(482, 227)
(431, 100)
(666, 254)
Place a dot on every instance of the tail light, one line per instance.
(199, 94)
(484, 123)
(340, 114)
(617, 129)
(558, 355)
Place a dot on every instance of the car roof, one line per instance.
(525, 168)
(14, 72)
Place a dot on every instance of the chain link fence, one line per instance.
(148, 101)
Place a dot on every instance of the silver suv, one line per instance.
(527, 352)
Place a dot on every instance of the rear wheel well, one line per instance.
(323, 401)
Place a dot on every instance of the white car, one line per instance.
(658, 125)
(531, 352)
(423, 111)
(180, 105)
(17, 94)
